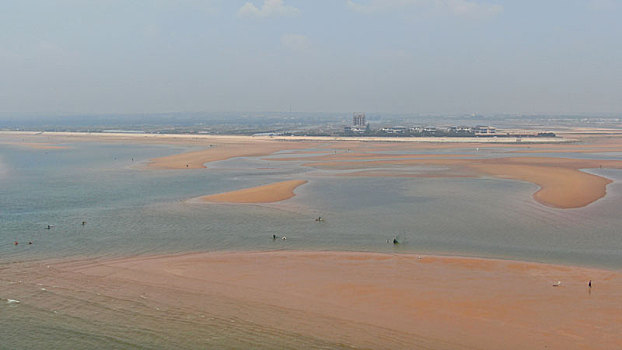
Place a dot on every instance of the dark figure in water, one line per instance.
(49, 227)
(395, 241)
(274, 237)
(589, 284)
(83, 223)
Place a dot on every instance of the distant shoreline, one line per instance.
(484, 140)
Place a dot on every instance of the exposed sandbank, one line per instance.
(33, 145)
(562, 183)
(436, 173)
(221, 151)
(261, 194)
(367, 300)
(367, 156)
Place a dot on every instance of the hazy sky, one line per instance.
(404, 56)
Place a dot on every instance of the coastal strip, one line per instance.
(81, 136)
(270, 193)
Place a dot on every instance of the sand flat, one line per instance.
(559, 187)
(444, 173)
(33, 145)
(221, 151)
(367, 156)
(562, 183)
(372, 300)
(270, 193)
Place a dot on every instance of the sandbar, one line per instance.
(34, 145)
(562, 184)
(364, 300)
(270, 193)
(222, 151)
(560, 187)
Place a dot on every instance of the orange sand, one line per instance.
(454, 172)
(222, 151)
(562, 184)
(368, 300)
(34, 145)
(561, 187)
(368, 156)
(262, 194)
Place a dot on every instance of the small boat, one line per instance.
(319, 219)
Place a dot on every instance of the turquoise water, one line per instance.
(132, 210)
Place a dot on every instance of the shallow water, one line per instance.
(130, 210)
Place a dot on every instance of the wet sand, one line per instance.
(365, 300)
(261, 194)
(33, 145)
(369, 300)
(560, 187)
(346, 156)
(562, 183)
(222, 151)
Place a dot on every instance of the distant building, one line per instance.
(480, 130)
(358, 119)
(459, 130)
(395, 130)
(355, 130)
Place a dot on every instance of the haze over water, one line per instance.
(100, 251)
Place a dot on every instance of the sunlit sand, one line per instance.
(369, 300)
(365, 300)
(562, 183)
(261, 194)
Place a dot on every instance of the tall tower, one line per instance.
(358, 119)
